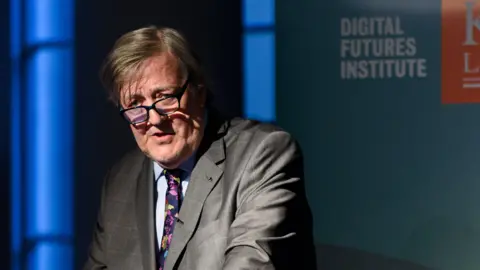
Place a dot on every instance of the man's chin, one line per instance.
(168, 165)
(166, 161)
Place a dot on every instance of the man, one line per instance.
(201, 192)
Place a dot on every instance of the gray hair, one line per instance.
(133, 48)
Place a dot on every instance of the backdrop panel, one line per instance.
(392, 168)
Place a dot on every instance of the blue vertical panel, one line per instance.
(259, 76)
(49, 20)
(258, 13)
(42, 134)
(49, 121)
(15, 141)
(50, 256)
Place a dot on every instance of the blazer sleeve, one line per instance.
(272, 228)
(96, 254)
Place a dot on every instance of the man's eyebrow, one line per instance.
(161, 89)
(166, 87)
(154, 91)
(129, 97)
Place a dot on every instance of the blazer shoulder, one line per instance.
(256, 130)
(130, 163)
(246, 135)
(128, 159)
(243, 125)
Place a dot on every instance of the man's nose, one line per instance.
(154, 117)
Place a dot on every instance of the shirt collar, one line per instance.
(186, 166)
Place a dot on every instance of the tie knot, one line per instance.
(173, 177)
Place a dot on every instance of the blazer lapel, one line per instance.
(145, 213)
(204, 177)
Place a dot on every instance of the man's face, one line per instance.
(169, 140)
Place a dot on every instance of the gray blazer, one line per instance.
(245, 207)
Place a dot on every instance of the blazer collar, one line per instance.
(205, 174)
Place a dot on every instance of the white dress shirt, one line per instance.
(161, 184)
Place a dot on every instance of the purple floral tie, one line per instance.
(172, 207)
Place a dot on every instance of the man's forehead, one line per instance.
(165, 62)
(162, 67)
(152, 74)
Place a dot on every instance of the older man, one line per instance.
(200, 192)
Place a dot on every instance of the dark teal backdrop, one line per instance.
(390, 170)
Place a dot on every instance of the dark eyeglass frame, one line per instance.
(178, 95)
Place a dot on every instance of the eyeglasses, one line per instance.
(164, 106)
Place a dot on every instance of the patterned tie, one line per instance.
(172, 207)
